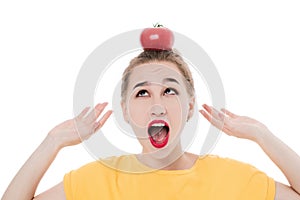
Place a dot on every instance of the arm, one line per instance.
(247, 128)
(68, 133)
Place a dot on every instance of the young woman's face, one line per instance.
(157, 105)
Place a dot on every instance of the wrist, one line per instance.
(54, 142)
(263, 135)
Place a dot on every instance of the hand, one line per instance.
(234, 125)
(74, 131)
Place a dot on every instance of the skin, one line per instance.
(158, 89)
(24, 184)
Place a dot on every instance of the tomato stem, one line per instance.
(157, 25)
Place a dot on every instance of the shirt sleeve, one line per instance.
(88, 182)
(80, 183)
(243, 180)
(70, 185)
(260, 186)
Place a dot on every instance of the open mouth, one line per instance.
(158, 131)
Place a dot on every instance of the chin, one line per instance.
(166, 153)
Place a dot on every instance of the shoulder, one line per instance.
(84, 175)
(90, 179)
(230, 170)
(101, 167)
(233, 175)
(226, 164)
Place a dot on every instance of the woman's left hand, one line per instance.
(245, 127)
(234, 125)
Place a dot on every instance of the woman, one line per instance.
(157, 101)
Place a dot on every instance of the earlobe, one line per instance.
(191, 108)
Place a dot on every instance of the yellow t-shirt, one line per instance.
(211, 177)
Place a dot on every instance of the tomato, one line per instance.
(157, 38)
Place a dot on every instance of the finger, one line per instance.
(229, 126)
(227, 131)
(207, 107)
(214, 112)
(230, 114)
(83, 112)
(94, 114)
(205, 115)
(222, 125)
(215, 122)
(102, 121)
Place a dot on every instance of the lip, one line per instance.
(159, 145)
(158, 121)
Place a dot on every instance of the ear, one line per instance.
(124, 110)
(191, 108)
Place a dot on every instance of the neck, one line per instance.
(176, 160)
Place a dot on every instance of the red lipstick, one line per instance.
(158, 131)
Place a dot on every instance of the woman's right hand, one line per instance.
(74, 131)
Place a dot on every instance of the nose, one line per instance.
(157, 110)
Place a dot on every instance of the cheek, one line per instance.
(177, 106)
(174, 112)
(177, 114)
(138, 112)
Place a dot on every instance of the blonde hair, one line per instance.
(148, 56)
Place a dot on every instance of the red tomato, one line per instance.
(158, 38)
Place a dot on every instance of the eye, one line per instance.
(142, 93)
(170, 91)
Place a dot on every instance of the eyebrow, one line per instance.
(147, 83)
(141, 84)
(170, 80)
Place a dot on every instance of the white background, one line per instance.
(255, 46)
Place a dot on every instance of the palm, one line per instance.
(232, 124)
(74, 131)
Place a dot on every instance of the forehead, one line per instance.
(155, 72)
